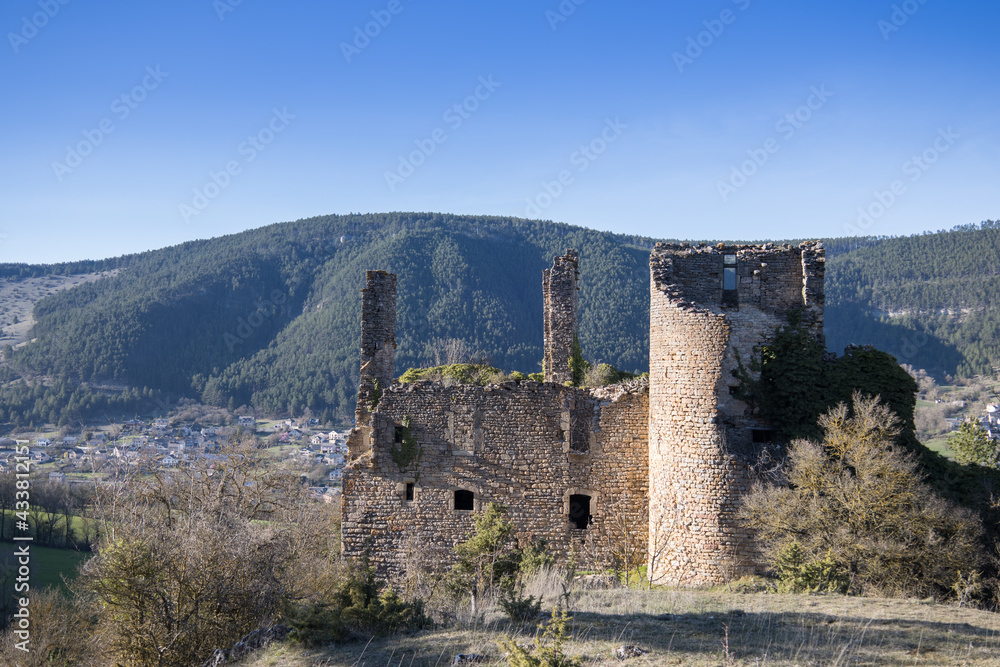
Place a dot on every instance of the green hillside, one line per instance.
(271, 317)
(930, 300)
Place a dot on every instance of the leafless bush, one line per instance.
(190, 410)
(449, 351)
(856, 498)
(425, 580)
(61, 633)
(193, 560)
(930, 422)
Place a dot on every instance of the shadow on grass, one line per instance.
(779, 637)
(705, 638)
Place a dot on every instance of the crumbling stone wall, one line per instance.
(378, 352)
(559, 294)
(701, 438)
(511, 443)
(662, 462)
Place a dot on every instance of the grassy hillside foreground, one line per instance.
(690, 628)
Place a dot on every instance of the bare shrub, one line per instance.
(622, 537)
(856, 499)
(448, 351)
(193, 560)
(61, 633)
(930, 422)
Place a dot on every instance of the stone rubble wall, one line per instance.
(509, 444)
(560, 302)
(378, 350)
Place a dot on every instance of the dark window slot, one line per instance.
(579, 511)
(465, 500)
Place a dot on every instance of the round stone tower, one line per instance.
(709, 306)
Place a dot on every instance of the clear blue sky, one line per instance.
(665, 119)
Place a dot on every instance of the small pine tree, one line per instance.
(547, 650)
(973, 445)
(489, 560)
(577, 364)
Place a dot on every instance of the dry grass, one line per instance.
(690, 628)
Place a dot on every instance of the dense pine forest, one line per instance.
(269, 318)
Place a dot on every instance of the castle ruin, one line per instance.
(651, 470)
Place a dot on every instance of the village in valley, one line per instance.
(95, 454)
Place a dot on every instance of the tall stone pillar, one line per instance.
(559, 292)
(378, 352)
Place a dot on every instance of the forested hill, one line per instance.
(271, 317)
(932, 300)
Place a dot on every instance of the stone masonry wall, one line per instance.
(378, 350)
(559, 294)
(510, 443)
(700, 437)
(663, 462)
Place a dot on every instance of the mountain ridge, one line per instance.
(269, 317)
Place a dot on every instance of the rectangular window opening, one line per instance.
(579, 511)
(409, 492)
(729, 278)
(465, 501)
(398, 434)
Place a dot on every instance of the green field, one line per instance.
(48, 566)
(940, 445)
(76, 525)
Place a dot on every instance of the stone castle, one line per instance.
(647, 471)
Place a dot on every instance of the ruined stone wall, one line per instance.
(559, 296)
(514, 444)
(618, 471)
(378, 350)
(700, 437)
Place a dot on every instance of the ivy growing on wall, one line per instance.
(790, 381)
(408, 451)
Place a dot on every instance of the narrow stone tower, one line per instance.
(378, 352)
(708, 305)
(559, 292)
